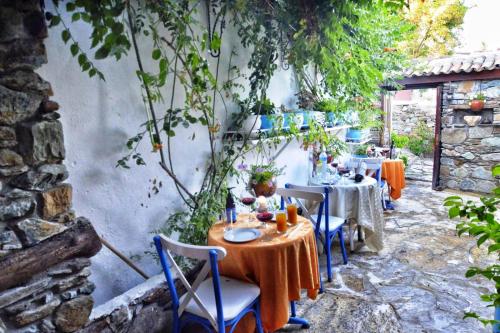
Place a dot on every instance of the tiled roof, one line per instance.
(458, 63)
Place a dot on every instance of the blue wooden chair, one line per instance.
(214, 303)
(329, 228)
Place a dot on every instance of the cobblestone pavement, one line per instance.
(416, 284)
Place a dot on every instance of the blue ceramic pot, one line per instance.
(354, 134)
(330, 119)
(360, 156)
(266, 122)
(307, 116)
(496, 327)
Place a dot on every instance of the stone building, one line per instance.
(467, 143)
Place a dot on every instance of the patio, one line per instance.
(239, 167)
(416, 284)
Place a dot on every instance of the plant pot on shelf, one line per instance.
(331, 119)
(476, 105)
(266, 189)
(296, 118)
(354, 134)
(253, 122)
(271, 121)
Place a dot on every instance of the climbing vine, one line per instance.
(344, 42)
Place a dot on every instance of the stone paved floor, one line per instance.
(416, 284)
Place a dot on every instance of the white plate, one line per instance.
(241, 235)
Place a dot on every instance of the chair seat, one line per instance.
(236, 296)
(334, 222)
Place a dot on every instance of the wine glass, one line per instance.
(248, 200)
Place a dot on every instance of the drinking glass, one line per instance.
(281, 225)
(291, 210)
(248, 200)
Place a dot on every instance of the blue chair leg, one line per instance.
(258, 320)
(297, 320)
(342, 245)
(328, 245)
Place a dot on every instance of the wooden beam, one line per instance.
(79, 240)
(432, 81)
(436, 168)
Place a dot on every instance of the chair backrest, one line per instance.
(312, 192)
(210, 254)
(374, 167)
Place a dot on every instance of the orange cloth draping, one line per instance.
(393, 171)
(281, 266)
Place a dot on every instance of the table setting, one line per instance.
(253, 240)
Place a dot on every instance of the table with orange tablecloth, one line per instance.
(280, 265)
(393, 171)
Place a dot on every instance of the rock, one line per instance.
(73, 314)
(41, 178)
(69, 267)
(13, 171)
(11, 296)
(459, 149)
(25, 80)
(445, 171)
(485, 186)
(460, 172)
(49, 106)
(72, 281)
(29, 316)
(453, 135)
(342, 312)
(56, 201)
(9, 158)
(87, 289)
(452, 184)
(482, 173)
(42, 142)
(16, 204)
(3, 327)
(16, 106)
(9, 241)
(66, 217)
(51, 116)
(467, 185)
(7, 137)
(472, 120)
(480, 132)
(491, 142)
(67, 295)
(449, 152)
(47, 326)
(491, 157)
(447, 161)
(34, 230)
(32, 301)
(151, 318)
(468, 155)
(25, 53)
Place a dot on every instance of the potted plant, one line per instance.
(477, 102)
(263, 179)
(329, 109)
(267, 111)
(361, 151)
(292, 118)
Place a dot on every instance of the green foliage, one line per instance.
(259, 174)
(477, 219)
(345, 41)
(404, 158)
(317, 137)
(400, 140)
(435, 26)
(361, 149)
(479, 97)
(264, 107)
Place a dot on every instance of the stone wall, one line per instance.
(44, 284)
(470, 150)
(406, 114)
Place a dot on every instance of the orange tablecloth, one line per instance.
(281, 266)
(393, 171)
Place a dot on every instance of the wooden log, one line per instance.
(79, 240)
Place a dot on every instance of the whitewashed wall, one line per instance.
(98, 117)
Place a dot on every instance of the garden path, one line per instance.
(416, 284)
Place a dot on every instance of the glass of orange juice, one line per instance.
(291, 210)
(281, 225)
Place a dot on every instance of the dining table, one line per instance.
(393, 171)
(359, 203)
(281, 264)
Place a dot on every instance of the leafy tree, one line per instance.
(435, 25)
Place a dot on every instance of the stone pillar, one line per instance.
(44, 249)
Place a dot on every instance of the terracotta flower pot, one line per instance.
(266, 189)
(476, 105)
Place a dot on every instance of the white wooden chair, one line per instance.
(330, 226)
(216, 302)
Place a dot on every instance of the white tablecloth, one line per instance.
(361, 202)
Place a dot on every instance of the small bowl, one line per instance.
(265, 217)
